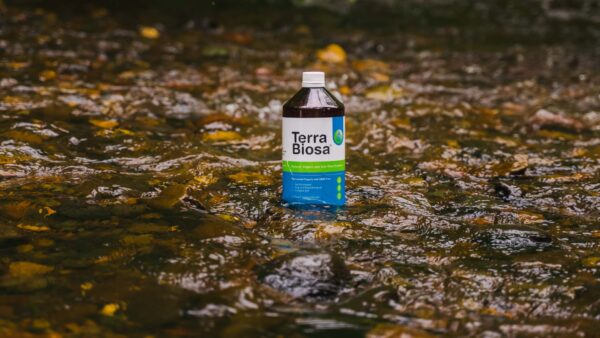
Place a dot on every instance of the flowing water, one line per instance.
(140, 178)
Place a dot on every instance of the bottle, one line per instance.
(314, 159)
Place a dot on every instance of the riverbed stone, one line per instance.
(307, 275)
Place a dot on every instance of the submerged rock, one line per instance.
(507, 191)
(316, 276)
(547, 119)
(27, 269)
(514, 240)
(25, 276)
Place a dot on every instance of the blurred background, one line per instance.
(532, 18)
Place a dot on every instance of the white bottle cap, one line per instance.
(313, 79)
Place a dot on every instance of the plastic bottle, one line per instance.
(314, 159)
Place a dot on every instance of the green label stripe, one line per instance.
(314, 167)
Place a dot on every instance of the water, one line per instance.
(141, 172)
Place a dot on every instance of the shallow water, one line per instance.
(140, 180)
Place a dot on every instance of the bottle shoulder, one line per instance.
(313, 102)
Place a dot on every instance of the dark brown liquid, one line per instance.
(313, 102)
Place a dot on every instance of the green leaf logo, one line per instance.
(338, 137)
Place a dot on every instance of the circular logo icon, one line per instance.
(338, 137)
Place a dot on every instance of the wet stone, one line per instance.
(309, 276)
(513, 240)
(547, 119)
(507, 191)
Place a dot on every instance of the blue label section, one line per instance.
(338, 130)
(317, 188)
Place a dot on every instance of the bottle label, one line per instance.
(314, 160)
